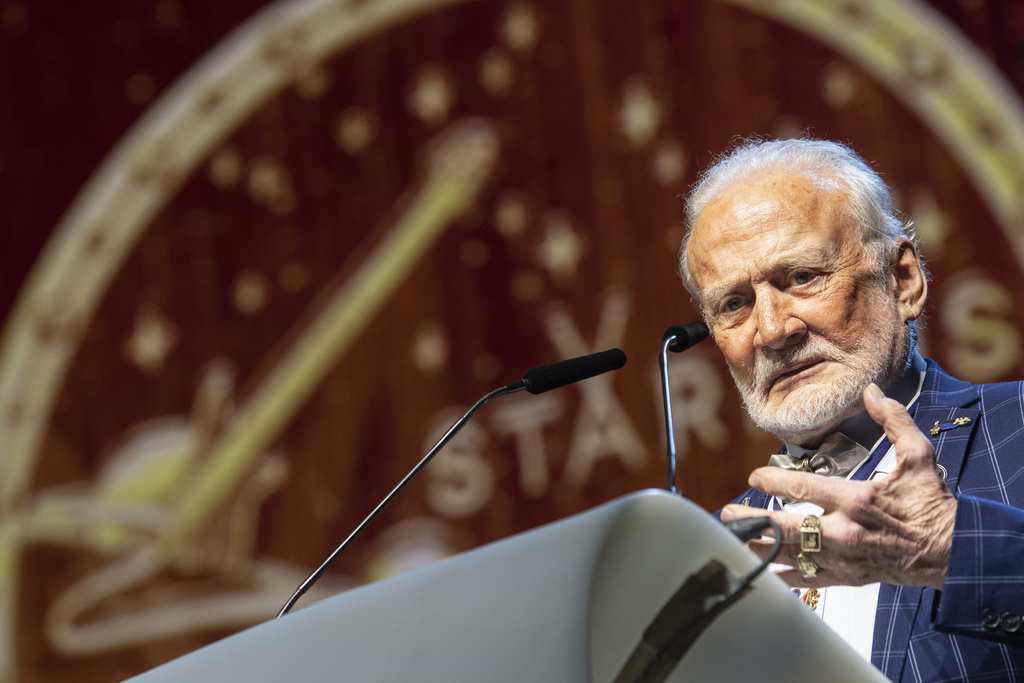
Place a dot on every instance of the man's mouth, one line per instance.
(792, 369)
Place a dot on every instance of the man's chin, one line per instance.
(783, 395)
(806, 425)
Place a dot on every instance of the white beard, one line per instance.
(812, 411)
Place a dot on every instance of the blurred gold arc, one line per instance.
(929, 65)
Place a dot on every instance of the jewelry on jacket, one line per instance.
(808, 596)
(946, 426)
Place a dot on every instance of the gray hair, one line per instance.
(870, 202)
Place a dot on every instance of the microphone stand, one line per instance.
(670, 437)
(536, 381)
(676, 339)
(448, 436)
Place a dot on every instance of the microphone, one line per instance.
(677, 338)
(536, 381)
(685, 336)
(555, 375)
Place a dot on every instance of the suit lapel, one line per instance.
(947, 412)
(756, 499)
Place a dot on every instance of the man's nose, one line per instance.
(777, 326)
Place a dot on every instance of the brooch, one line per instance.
(946, 426)
(808, 596)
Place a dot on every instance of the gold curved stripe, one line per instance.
(932, 67)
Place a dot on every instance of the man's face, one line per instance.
(793, 304)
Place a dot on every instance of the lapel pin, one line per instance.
(946, 426)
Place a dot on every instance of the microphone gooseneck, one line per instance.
(677, 339)
(536, 380)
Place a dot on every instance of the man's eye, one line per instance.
(733, 304)
(802, 277)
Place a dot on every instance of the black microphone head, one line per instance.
(686, 335)
(554, 375)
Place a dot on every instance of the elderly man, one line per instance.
(811, 286)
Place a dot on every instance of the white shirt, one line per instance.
(850, 610)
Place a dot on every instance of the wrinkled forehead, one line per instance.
(756, 220)
(800, 195)
(800, 186)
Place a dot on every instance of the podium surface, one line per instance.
(565, 602)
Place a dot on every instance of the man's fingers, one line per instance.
(733, 511)
(825, 492)
(763, 547)
(788, 524)
(889, 413)
(913, 449)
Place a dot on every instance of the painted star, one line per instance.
(430, 348)
(640, 115)
(561, 250)
(432, 96)
(933, 224)
(151, 341)
(520, 28)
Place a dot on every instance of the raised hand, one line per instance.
(895, 530)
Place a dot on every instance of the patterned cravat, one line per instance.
(837, 456)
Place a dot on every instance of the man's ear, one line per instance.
(911, 281)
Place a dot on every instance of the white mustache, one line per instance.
(767, 366)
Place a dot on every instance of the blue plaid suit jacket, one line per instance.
(971, 630)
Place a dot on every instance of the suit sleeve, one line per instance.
(983, 595)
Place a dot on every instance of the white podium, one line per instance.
(569, 601)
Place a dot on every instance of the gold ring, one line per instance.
(810, 534)
(807, 567)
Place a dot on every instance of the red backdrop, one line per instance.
(257, 258)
